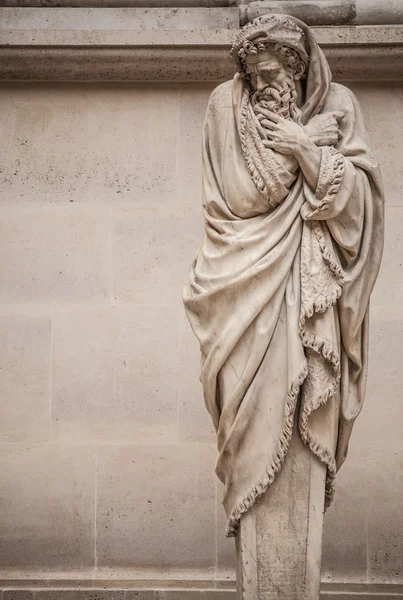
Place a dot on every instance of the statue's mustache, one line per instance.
(280, 98)
(276, 87)
(275, 90)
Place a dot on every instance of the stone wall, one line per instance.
(107, 452)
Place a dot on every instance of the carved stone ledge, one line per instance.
(354, 53)
(129, 19)
(29, 590)
(117, 3)
(313, 12)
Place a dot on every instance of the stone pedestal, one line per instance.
(279, 543)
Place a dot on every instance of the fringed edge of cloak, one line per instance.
(276, 462)
(326, 350)
(261, 165)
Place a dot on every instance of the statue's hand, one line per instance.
(283, 135)
(324, 129)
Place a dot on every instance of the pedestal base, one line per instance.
(279, 543)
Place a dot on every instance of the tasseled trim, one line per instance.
(310, 306)
(328, 257)
(266, 173)
(326, 457)
(331, 173)
(307, 408)
(267, 477)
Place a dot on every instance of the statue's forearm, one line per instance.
(287, 161)
(308, 156)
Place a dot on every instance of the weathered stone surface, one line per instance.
(113, 144)
(384, 552)
(363, 596)
(107, 386)
(135, 163)
(386, 339)
(47, 522)
(337, 12)
(385, 136)
(312, 12)
(370, 12)
(166, 246)
(328, 12)
(81, 595)
(345, 522)
(47, 155)
(279, 544)
(93, 19)
(199, 595)
(172, 488)
(54, 254)
(391, 272)
(120, 3)
(346, 592)
(67, 55)
(18, 595)
(140, 595)
(25, 386)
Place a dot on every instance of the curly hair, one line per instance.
(289, 57)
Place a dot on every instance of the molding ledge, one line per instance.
(354, 52)
(46, 591)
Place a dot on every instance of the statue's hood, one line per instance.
(289, 31)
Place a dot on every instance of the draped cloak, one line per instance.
(278, 295)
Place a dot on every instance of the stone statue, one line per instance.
(278, 295)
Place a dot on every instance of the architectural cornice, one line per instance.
(354, 53)
(313, 12)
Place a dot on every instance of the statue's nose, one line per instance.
(261, 83)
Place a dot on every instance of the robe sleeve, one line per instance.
(348, 176)
(334, 189)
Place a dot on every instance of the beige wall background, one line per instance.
(107, 453)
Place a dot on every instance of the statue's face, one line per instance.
(266, 70)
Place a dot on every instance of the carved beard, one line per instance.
(279, 99)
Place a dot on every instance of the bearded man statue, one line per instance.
(278, 295)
